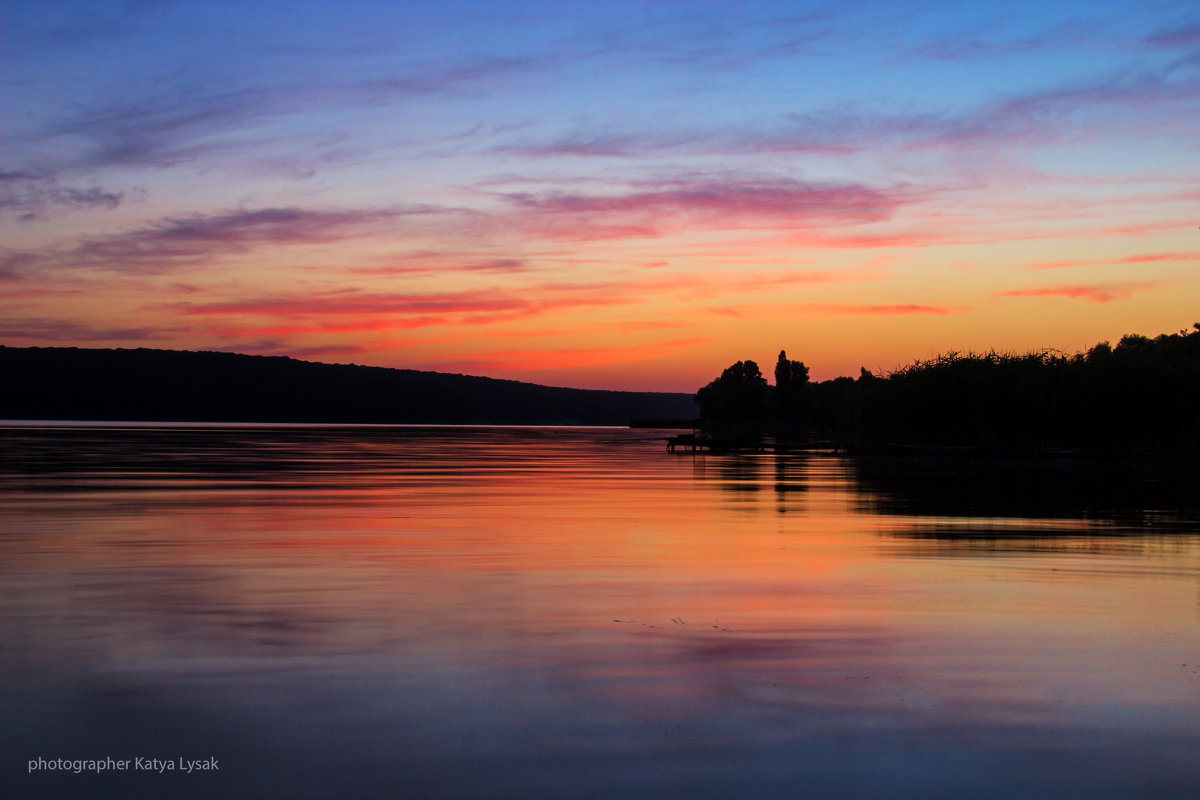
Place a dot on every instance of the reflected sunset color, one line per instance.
(531, 612)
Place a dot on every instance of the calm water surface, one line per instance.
(474, 612)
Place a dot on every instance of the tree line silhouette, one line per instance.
(1142, 394)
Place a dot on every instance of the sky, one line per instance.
(602, 195)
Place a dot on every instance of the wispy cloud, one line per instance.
(1031, 118)
(1100, 293)
(464, 308)
(28, 193)
(986, 42)
(1149, 228)
(317, 352)
(430, 262)
(174, 125)
(355, 324)
(178, 242)
(1143, 258)
(1183, 36)
(211, 119)
(727, 203)
(1037, 117)
(446, 77)
(607, 143)
(887, 310)
(60, 330)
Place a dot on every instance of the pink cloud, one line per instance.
(772, 198)
(902, 309)
(1146, 258)
(1097, 294)
(649, 210)
(435, 263)
(1144, 228)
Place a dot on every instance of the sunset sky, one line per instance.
(603, 195)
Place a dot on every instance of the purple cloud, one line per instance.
(646, 144)
(428, 262)
(1037, 117)
(176, 242)
(27, 193)
(57, 330)
(1185, 36)
(196, 121)
(163, 130)
(649, 208)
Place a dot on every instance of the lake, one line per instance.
(544, 612)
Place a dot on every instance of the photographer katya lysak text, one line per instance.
(136, 764)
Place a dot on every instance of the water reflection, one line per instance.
(1098, 507)
(1142, 493)
(530, 612)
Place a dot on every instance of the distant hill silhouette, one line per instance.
(158, 385)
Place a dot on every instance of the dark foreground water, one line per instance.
(424, 612)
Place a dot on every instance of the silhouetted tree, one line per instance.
(1101, 353)
(791, 385)
(790, 376)
(739, 395)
